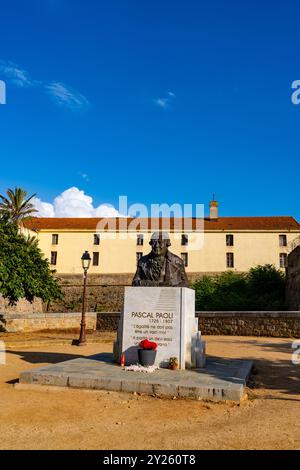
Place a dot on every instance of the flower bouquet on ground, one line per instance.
(147, 352)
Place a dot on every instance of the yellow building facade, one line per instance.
(235, 243)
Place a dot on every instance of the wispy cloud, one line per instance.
(61, 94)
(84, 176)
(165, 102)
(64, 96)
(15, 74)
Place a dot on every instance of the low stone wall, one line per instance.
(108, 321)
(276, 324)
(27, 322)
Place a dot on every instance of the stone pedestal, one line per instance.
(165, 315)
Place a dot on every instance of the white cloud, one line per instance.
(61, 94)
(107, 210)
(45, 209)
(162, 102)
(165, 101)
(74, 203)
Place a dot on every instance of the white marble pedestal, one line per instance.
(165, 315)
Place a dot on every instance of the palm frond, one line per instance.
(17, 205)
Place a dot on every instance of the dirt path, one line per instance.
(76, 419)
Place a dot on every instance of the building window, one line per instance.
(53, 258)
(140, 240)
(185, 259)
(96, 239)
(138, 257)
(282, 260)
(229, 240)
(184, 240)
(282, 240)
(230, 260)
(55, 239)
(95, 258)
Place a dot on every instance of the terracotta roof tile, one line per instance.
(223, 223)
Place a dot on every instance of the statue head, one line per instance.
(160, 242)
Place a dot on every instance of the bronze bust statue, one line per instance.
(160, 267)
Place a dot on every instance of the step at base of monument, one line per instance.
(222, 379)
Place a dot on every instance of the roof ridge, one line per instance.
(115, 223)
(171, 218)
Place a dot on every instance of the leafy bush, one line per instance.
(266, 286)
(262, 288)
(24, 272)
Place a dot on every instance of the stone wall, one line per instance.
(108, 321)
(276, 324)
(22, 306)
(293, 280)
(28, 322)
(105, 292)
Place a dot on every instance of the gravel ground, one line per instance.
(77, 419)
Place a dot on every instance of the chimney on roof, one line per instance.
(213, 209)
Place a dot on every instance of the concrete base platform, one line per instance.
(222, 379)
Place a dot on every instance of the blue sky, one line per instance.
(162, 101)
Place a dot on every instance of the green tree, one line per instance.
(16, 207)
(24, 272)
(266, 284)
(225, 291)
(262, 288)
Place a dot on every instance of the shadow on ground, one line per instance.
(282, 376)
(44, 357)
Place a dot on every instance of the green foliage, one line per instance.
(24, 272)
(267, 285)
(262, 288)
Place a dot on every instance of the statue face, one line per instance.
(159, 247)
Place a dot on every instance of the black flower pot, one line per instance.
(146, 357)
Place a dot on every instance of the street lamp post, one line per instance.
(86, 261)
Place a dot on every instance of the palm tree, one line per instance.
(16, 207)
(31, 241)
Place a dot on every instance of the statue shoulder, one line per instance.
(175, 259)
